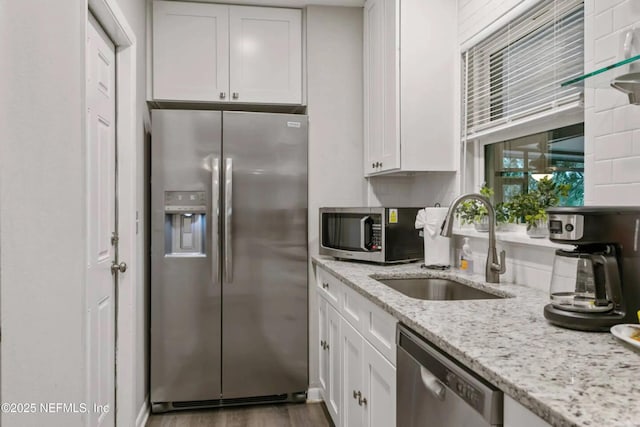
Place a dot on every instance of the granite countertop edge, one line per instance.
(559, 416)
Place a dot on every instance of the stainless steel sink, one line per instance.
(430, 288)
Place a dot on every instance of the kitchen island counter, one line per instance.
(568, 378)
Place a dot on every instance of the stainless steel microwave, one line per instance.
(382, 235)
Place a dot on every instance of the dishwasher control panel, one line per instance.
(462, 388)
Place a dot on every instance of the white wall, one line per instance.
(421, 189)
(42, 206)
(136, 14)
(42, 269)
(334, 92)
(612, 126)
(476, 15)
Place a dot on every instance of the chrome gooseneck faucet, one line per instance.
(494, 266)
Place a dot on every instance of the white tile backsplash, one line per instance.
(612, 130)
(600, 123)
(603, 23)
(602, 172)
(625, 14)
(607, 99)
(636, 142)
(626, 170)
(605, 49)
(528, 265)
(602, 5)
(613, 146)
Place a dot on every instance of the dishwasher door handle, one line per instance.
(433, 384)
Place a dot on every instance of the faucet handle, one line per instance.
(503, 263)
(500, 267)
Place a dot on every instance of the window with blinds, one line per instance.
(517, 71)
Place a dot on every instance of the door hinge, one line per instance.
(114, 238)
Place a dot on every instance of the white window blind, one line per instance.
(517, 71)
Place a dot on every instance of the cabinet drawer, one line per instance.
(379, 328)
(329, 287)
(353, 308)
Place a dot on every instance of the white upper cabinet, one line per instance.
(221, 53)
(266, 55)
(190, 51)
(381, 130)
(410, 75)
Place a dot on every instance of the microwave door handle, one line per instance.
(362, 222)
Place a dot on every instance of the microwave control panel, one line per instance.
(376, 236)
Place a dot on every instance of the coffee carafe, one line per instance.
(597, 284)
(586, 281)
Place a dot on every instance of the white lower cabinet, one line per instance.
(357, 376)
(329, 357)
(516, 415)
(369, 383)
(352, 378)
(379, 389)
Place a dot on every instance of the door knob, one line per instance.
(223, 95)
(115, 267)
(235, 95)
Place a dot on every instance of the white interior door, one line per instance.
(101, 223)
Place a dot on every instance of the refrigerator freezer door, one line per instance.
(185, 351)
(264, 350)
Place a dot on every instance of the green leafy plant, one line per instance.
(503, 213)
(531, 207)
(473, 211)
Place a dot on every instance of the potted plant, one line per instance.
(504, 220)
(531, 207)
(474, 212)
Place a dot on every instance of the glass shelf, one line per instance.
(601, 78)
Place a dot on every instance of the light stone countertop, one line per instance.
(568, 378)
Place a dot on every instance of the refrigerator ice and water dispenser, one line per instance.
(185, 223)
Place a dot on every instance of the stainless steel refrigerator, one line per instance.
(228, 258)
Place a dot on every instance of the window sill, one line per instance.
(517, 237)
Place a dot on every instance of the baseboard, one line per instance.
(314, 394)
(143, 414)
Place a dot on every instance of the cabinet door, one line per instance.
(323, 358)
(381, 86)
(190, 51)
(352, 359)
(266, 55)
(333, 395)
(379, 388)
(516, 415)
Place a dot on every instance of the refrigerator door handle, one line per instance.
(215, 220)
(228, 205)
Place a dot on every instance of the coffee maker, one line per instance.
(596, 285)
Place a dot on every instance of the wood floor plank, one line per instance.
(282, 415)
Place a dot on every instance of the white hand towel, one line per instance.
(436, 247)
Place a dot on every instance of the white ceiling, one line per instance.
(290, 3)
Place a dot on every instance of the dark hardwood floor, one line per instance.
(283, 415)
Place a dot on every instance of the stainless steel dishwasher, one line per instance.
(436, 391)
